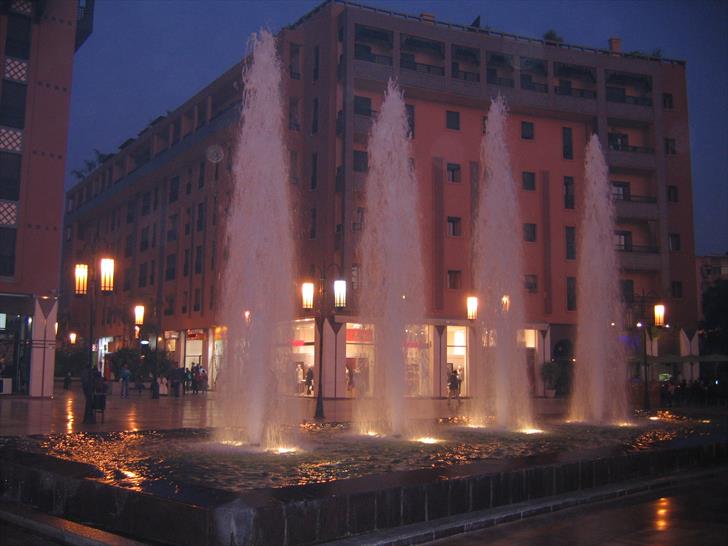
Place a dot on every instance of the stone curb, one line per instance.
(422, 533)
(63, 530)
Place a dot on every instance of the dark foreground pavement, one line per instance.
(694, 512)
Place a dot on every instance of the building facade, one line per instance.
(37, 45)
(158, 205)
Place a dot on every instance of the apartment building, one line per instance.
(37, 45)
(158, 205)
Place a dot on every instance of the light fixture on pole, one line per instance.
(307, 290)
(81, 278)
(659, 315)
(340, 294)
(472, 306)
(107, 275)
(505, 303)
(138, 315)
(72, 337)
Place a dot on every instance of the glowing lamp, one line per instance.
(659, 315)
(340, 293)
(72, 338)
(138, 315)
(506, 303)
(307, 295)
(107, 275)
(472, 303)
(81, 287)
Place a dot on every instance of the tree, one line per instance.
(715, 323)
(89, 165)
(552, 36)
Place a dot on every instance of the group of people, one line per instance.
(698, 392)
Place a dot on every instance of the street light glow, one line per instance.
(307, 295)
(81, 275)
(472, 305)
(340, 293)
(107, 275)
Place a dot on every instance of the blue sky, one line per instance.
(147, 56)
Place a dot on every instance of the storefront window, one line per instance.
(301, 373)
(218, 348)
(359, 359)
(457, 355)
(193, 347)
(419, 361)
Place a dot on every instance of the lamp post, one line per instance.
(86, 285)
(659, 322)
(307, 302)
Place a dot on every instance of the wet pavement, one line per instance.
(691, 513)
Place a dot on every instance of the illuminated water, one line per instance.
(599, 392)
(500, 380)
(256, 300)
(392, 293)
(331, 452)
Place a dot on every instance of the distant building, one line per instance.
(709, 270)
(37, 44)
(158, 206)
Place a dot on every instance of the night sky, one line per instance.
(147, 57)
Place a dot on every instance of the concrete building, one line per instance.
(37, 44)
(158, 205)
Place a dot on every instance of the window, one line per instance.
(531, 283)
(361, 161)
(12, 104)
(173, 189)
(7, 251)
(154, 234)
(570, 235)
(568, 148)
(151, 273)
(454, 226)
(9, 176)
(453, 172)
(571, 293)
(199, 259)
(528, 180)
(410, 119)
(129, 246)
(355, 277)
(170, 271)
(146, 203)
(314, 116)
(201, 176)
(569, 196)
(454, 279)
(670, 148)
(155, 202)
(169, 305)
(621, 191)
(529, 232)
(186, 263)
(142, 282)
(198, 300)
(172, 230)
(185, 300)
(672, 195)
(131, 212)
(316, 63)
(294, 61)
(144, 239)
(293, 166)
(362, 106)
(213, 255)
(126, 285)
(452, 120)
(358, 223)
(201, 213)
(314, 171)
(673, 242)
(667, 102)
(527, 131)
(294, 123)
(676, 289)
(626, 287)
(623, 240)
(312, 225)
(17, 43)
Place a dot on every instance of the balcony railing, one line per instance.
(618, 147)
(643, 249)
(635, 198)
(422, 67)
(575, 92)
(465, 75)
(503, 82)
(373, 58)
(618, 96)
(534, 86)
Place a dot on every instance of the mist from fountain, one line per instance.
(499, 378)
(599, 392)
(257, 307)
(392, 293)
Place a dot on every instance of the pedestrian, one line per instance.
(125, 377)
(87, 384)
(67, 381)
(453, 388)
(309, 381)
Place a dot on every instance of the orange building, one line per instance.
(37, 44)
(158, 205)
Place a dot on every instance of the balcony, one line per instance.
(638, 207)
(623, 147)
(639, 257)
(528, 84)
(363, 53)
(575, 92)
(423, 68)
(465, 75)
(618, 94)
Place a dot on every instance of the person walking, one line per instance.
(87, 384)
(125, 376)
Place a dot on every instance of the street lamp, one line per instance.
(307, 302)
(72, 338)
(85, 284)
(472, 306)
(659, 322)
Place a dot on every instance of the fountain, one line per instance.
(501, 386)
(257, 307)
(392, 295)
(600, 375)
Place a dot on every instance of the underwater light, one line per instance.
(531, 430)
(427, 440)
